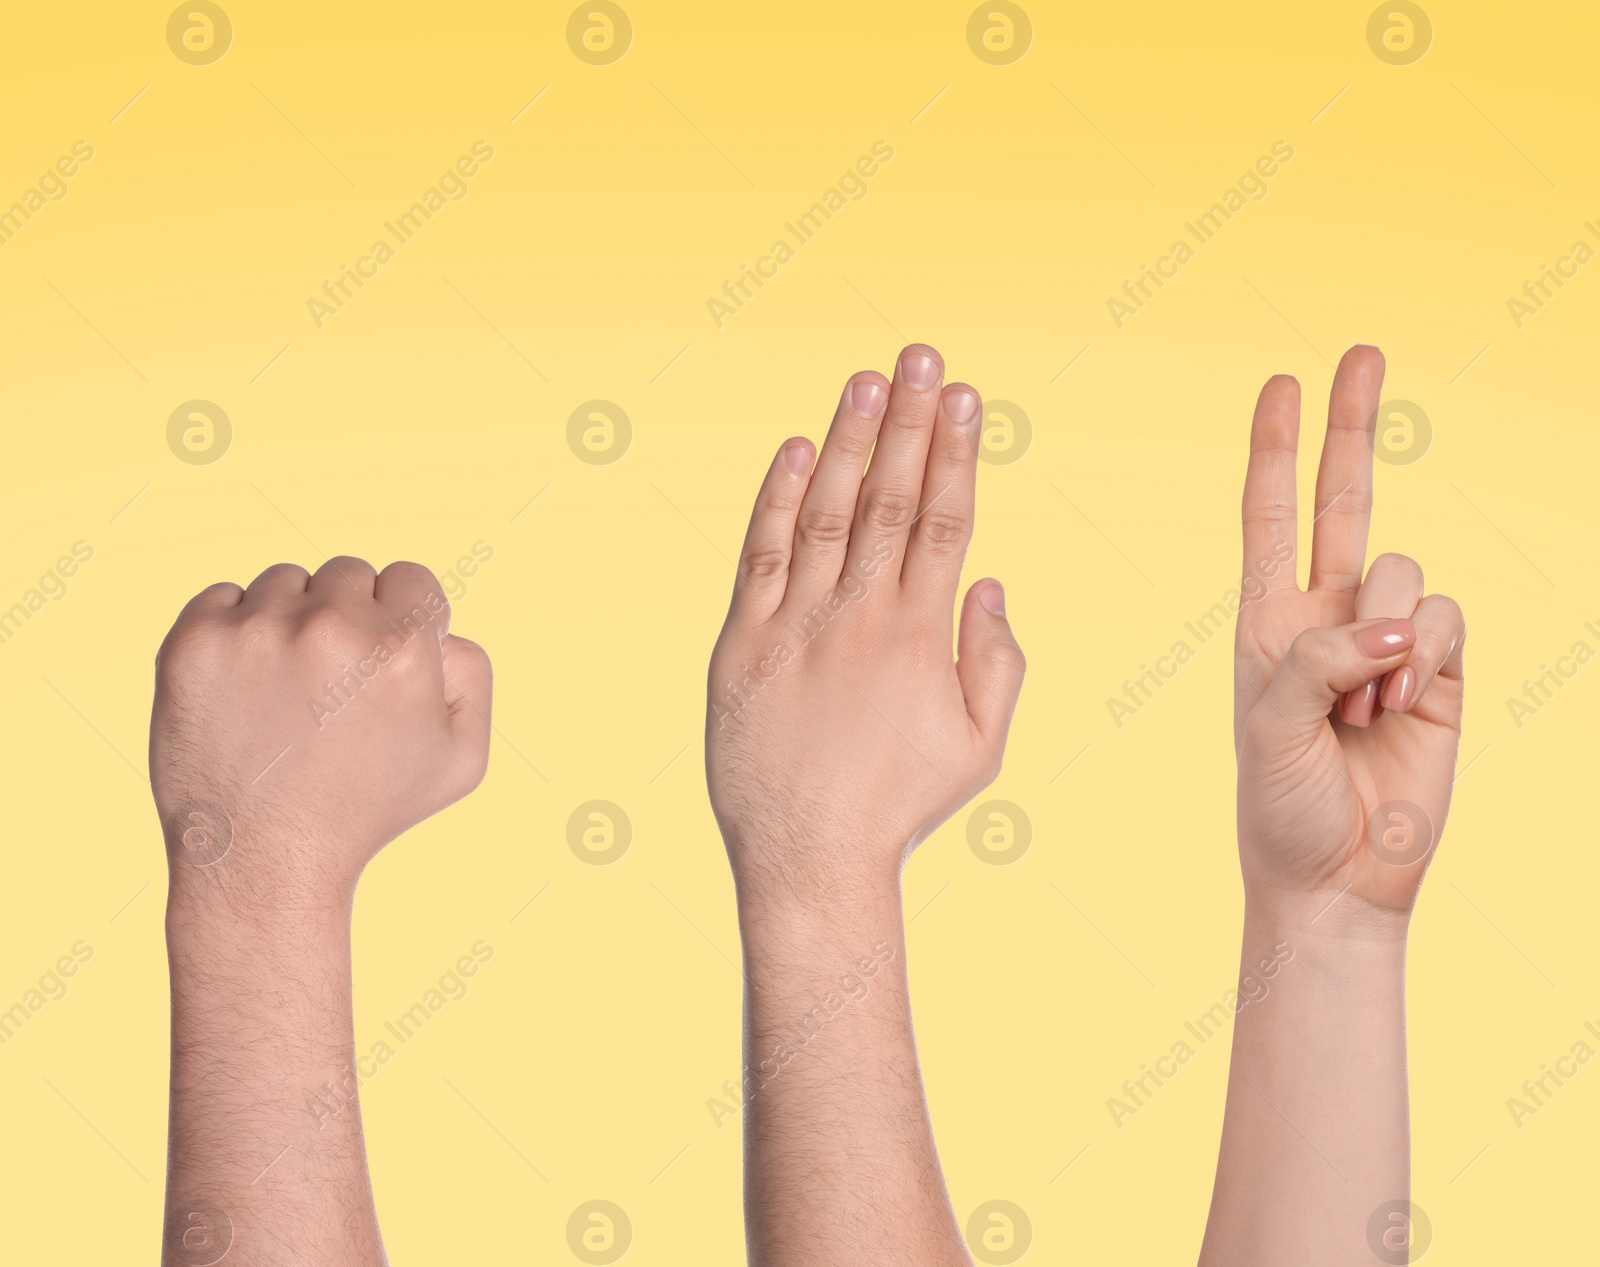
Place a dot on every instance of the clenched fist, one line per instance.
(303, 723)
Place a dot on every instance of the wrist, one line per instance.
(1334, 911)
(1332, 937)
(245, 877)
(808, 906)
(217, 919)
(811, 871)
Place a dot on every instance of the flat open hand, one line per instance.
(839, 730)
(1347, 695)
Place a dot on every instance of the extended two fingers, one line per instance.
(1343, 509)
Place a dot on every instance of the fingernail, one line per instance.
(1390, 638)
(920, 371)
(1399, 689)
(797, 456)
(867, 396)
(1356, 706)
(961, 403)
(993, 598)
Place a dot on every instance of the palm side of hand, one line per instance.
(1351, 799)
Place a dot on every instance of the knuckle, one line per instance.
(1444, 630)
(955, 448)
(765, 565)
(416, 639)
(886, 511)
(1008, 660)
(821, 527)
(944, 528)
(261, 637)
(322, 624)
(1338, 580)
(854, 442)
(1347, 502)
(431, 611)
(1272, 510)
(411, 576)
(193, 642)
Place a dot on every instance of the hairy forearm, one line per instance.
(1316, 1135)
(266, 1158)
(840, 1164)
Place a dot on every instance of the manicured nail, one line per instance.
(1399, 690)
(1390, 638)
(797, 456)
(961, 403)
(993, 598)
(920, 371)
(868, 396)
(1356, 706)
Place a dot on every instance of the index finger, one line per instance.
(1269, 511)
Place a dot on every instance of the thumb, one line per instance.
(1322, 664)
(989, 663)
(468, 688)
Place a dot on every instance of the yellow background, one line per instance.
(427, 414)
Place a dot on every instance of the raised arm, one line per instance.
(1347, 716)
(839, 733)
(299, 725)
